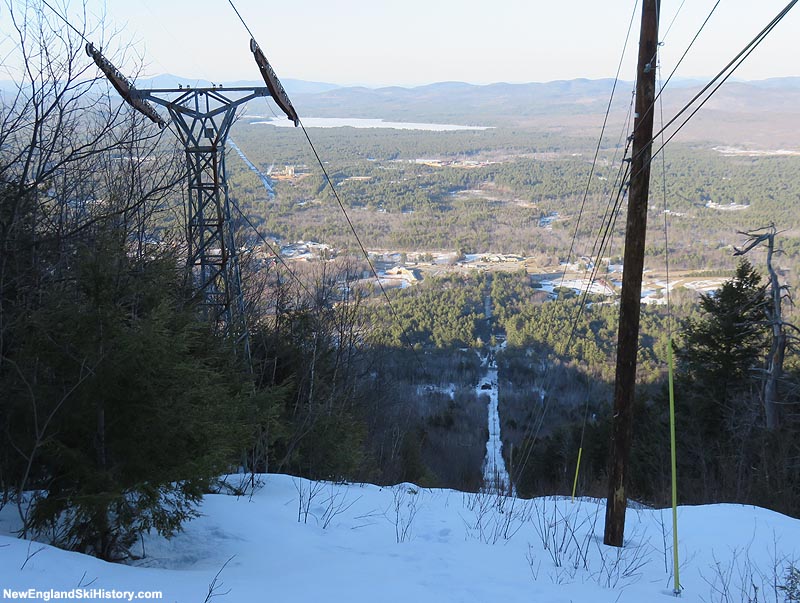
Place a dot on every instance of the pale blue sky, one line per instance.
(384, 42)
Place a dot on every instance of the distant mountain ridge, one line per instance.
(762, 112)
(504, 103)
(554, 88)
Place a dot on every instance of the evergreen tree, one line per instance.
(123, 406)
(717, 390)
(722, 351)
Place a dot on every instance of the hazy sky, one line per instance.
(410, 42)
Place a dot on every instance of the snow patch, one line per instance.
(362, 543)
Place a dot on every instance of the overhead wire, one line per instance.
(272, 249)
(672, 22)
(599, 141)
(169, 125)
(720, 78)
(688, 48)
(163, 24)
(276, 253)
(732, 66)
(64, 19)
(724, 74)
(601, 241)
(683, 56)
(233, 6)
(534, 429)
(608, 250)
(604, 230)
(617, 205)
(671, 389)
(610, 226)
(626, 128)
(363, 249)
(666, 230)
(663, 86)
(84, 38)
(607, 224)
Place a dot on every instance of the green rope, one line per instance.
(675, 566)
(577, 469)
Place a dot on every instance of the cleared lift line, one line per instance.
(496, 478)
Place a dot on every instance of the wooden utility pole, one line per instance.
(630, 297)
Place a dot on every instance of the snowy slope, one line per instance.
(495, 474)
(365, 543)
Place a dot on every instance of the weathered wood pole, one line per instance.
(630, 297)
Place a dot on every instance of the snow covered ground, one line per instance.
(579, 286)
(495, 474)
(448, 390)
(296, 540)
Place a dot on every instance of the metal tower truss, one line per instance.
(203, 118)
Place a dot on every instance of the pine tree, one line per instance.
(124, 403)
(722, 351)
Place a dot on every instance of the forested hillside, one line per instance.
(417, 190)
(125, 398)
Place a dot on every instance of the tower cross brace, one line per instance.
(203, 118)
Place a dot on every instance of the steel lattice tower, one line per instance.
(203, 118)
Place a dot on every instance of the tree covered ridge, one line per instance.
(722, 340)
(520, 176)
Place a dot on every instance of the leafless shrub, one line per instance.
(239, 484)
(215, 586)
(722, 580)
(533, 563)
(403, 510)
(336, 504)
(565, 536)
(496, 517)
(31, 554)
(307, 492)
(622, 566)
(739, 578)
(791, 586)
(332, 506)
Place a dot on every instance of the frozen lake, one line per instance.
(357, 122)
